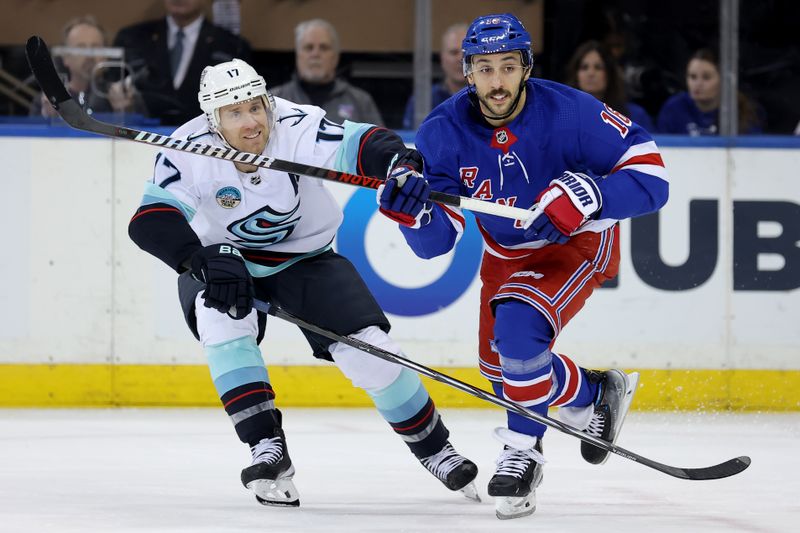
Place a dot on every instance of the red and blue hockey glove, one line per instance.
(404, 197)
(562, 208)
(229, 287)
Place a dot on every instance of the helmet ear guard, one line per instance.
(229, 83)
(493, 34)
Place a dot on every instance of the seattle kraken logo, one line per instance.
(299, 116)
(264, 227)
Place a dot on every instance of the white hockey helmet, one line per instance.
(229, 83)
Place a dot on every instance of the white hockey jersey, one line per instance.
(267, 214)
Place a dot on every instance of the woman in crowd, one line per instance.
(592, 69)
(696, 111)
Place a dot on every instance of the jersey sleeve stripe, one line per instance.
(156, 210)
(346, 159)
(653, 158)
(359, 166)
(637, 150)
(156, 195)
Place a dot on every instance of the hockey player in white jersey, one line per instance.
(234, 231)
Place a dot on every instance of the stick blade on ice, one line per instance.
(720, 471)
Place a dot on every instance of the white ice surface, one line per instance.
(154, 470)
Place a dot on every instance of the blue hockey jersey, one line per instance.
(558, 129)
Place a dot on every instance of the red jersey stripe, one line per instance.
(155, 210)
(644, 159)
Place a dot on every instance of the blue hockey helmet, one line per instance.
(492, 34)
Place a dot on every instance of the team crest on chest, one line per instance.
(229, 197)
(503, 139)
(265, 226)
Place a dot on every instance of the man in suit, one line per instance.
(167, 56)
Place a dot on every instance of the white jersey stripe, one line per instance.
(637, 150)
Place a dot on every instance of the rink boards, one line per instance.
(706, 304)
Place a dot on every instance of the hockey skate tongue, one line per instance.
(512, 439)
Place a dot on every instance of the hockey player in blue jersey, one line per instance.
(581, 167)
(235, 231)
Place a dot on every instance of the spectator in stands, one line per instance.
(594, 70)
(696, 111)
(315, 81)
(167, 56)
(86, 32)
(450, 60)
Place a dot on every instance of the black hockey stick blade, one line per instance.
(41, 63)
(722, 470)
(44, 71)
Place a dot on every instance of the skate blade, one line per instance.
(280, 492)
(470, 491)
(630, 390)
(507, 508)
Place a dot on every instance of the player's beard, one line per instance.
(257, 145)
(494, 108)
(253, 146)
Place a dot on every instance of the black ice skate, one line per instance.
(454, 470)
(519, 472)
(270, 474)
(614, 396)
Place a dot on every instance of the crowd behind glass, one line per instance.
(158, 79)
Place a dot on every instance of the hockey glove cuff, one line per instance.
(561, 209)
(229, 287)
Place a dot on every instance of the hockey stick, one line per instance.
(41, 64)
(722, 470)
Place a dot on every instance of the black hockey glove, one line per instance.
(229, 287)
